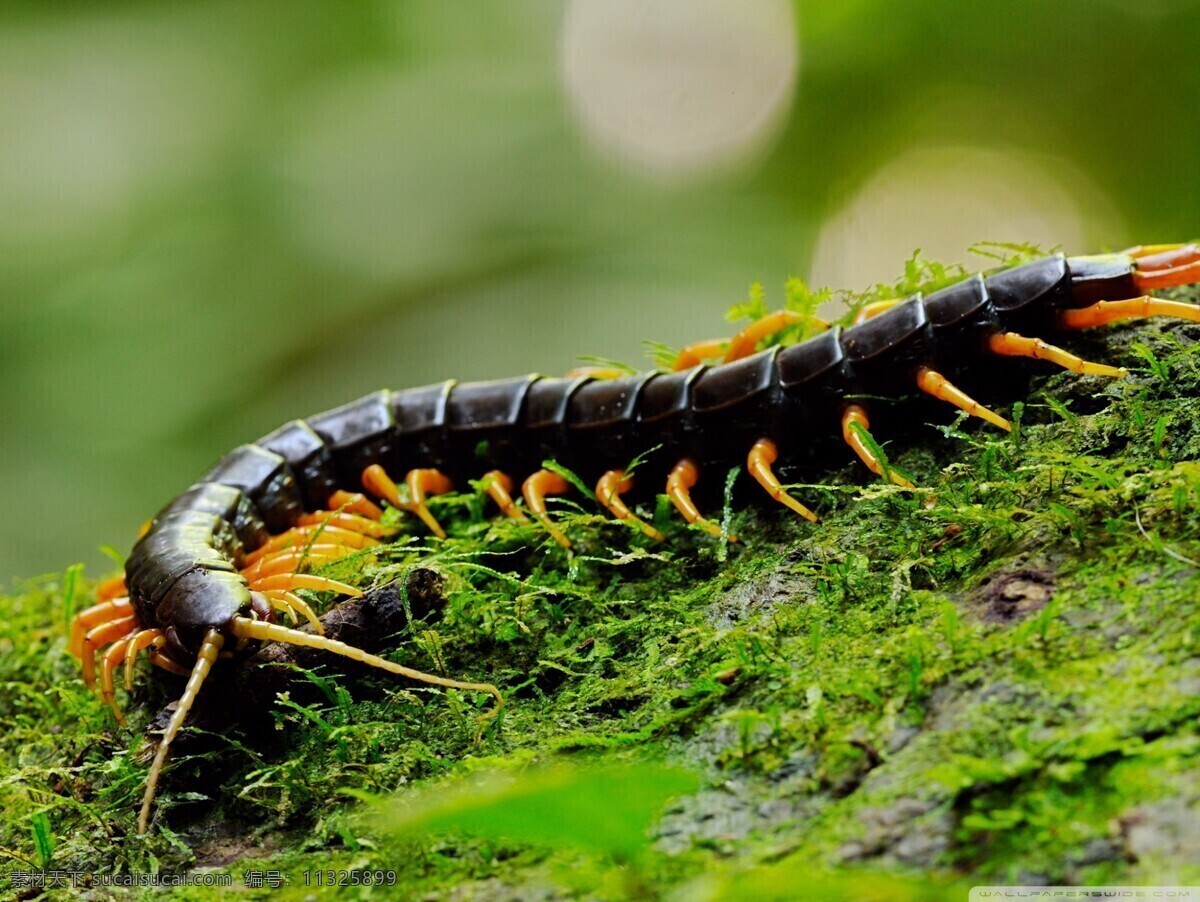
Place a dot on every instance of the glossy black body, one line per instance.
(182, 572)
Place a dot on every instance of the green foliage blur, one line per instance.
(217, 217)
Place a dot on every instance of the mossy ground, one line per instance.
(993, 680)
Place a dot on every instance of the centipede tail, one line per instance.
(215, 570)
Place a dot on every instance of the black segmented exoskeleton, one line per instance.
(224, 557)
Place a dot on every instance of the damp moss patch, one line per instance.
(993, 679)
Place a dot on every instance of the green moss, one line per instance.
(993, 678)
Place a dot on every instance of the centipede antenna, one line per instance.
(682, 478)
(245, 628)
(744, 342)
(934, 383)
(499, 487)
(762, 455)
(1010, 344)
(535, 489)
(1105, 312)
(608, 493)
(855, 419)
(213, 640)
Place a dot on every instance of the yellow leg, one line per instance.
(762, 455)
(854, 419)
(204, 662)
(873, 309)
(1009, 344)
(294, 603)
(1153, 257)
(303, 581)
(499, 487)
(940, 387)
(162, 659)
(682, 478)
(1105, 312)
(608, 493)
(535, 489)
(595, 372)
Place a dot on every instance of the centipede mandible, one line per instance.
(216, 571)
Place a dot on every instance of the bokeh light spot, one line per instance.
(679, 87)
(943, 199)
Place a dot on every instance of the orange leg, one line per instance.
(1105, 312)
(111, 661)
(1152, 257)
(300, 536)
(161, 658)
(287, 581)
(940, 387)
(873, 309)
(608, 493)
(347, 521)
(535, 489)
(762, 455)
(139, 641)
(1009, 344)
(355, 503)
(289, 562)
(93, 616)
(744, 343)
(1168, 278)
(854, 423)
(679, 483)
(695, 354)
(111, 588)
(420, 482)
(499, 487)
(102, 635)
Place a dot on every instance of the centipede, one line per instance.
(216, 572)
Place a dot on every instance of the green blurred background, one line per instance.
(216, 217)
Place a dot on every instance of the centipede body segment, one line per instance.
(220, 565)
